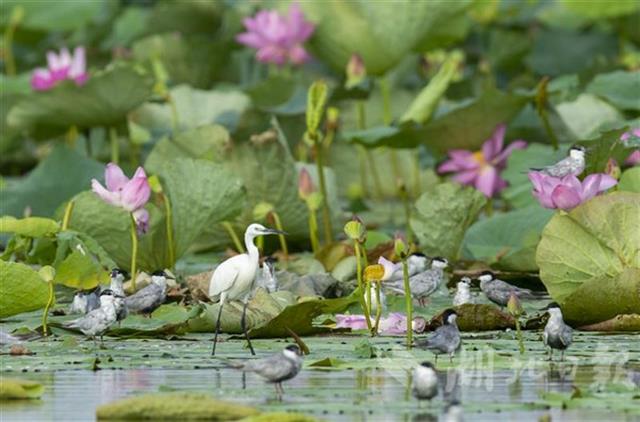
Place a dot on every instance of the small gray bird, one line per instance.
(424, 383)
(446, 338)
(416, 263)
(85, 301)
(499, 291)
(146, 300)
(276, 368)
(463, 292)
(98, 321)
(118, 277)
(267, 277)
(573, 164)
(557, 334)
(422, 284)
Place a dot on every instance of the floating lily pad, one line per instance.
(17, 389)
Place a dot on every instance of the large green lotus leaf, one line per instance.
(57, 178)
(442, 217)
(597, 240)
(630, 180)
(194, 108)
(206, 142)
(599, 9)
(202, 194)
(21, 289)
(110, 226)
(587, 114)
(468, 126)
(80, 271)
(518, 193)
(382, 33)
(188, 60)
(44, 15)
(105, 100)
(508, 241)
(619, 88)
(30, 226)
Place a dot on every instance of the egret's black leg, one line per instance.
(215, 339)
(243, 324)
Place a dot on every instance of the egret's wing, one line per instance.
(223, 278)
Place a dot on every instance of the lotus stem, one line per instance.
(115, 145)
(283, 241)
(488, 207)
(45, 314)
(326, 213)
(374, 172)
(169, 229)
(68, 210)
(408, 302)
(363, 305)
(407, 214)
(234, 237)
(385, 90)
(16, 17)
(519, 335)
(378, 309)
(134, 252)
(175, 121)
(313, 231)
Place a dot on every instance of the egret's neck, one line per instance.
(252, 249)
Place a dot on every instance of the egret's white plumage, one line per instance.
(234, 278)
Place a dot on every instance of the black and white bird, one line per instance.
(463, 292)
(276, 368)
(234, 278)
(557, 334)
(98, 321)
(573, 164)
(499, 291)
(424, 383)
(118, 277)
(267, 277)
(149, 298)
(422, 284)
(417, 263)
(446, 338)
(85, 301)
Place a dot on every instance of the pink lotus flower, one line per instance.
(394, 324)
(278, 38)
(59, 68)
(389, 267)
(568, 192)
(634, 158)
(482, 169)
(129, 194)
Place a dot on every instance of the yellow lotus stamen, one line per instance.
(374, 272)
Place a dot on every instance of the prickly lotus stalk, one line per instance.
(356, 231)
(313, 199)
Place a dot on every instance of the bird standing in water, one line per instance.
(234, 278)
(557, 334)
(276, 368)
(446, 338)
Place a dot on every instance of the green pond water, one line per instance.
(489, 377)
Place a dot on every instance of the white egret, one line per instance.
(234, 278)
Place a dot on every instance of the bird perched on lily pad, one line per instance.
(98, 321)
(499, 291)
(149, 298)
(463, 292)
(446, 338)
(425, 283)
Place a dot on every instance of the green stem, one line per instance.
(519, 334)
(16, 17)
(175, 121)
(134, 252)
(365, 307)
(417, 189)
(68, 210)
(234, 237)
(408, 302)
(362, 114)
(169, 229)
(369, 299)
(374, 172)
(407, 215)
(313, 231)
(326, 213)
(385, 90)
(72, 136)
(488, 207)
(378, 309)
(283, 240)
(45, 314)
(115, 145)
